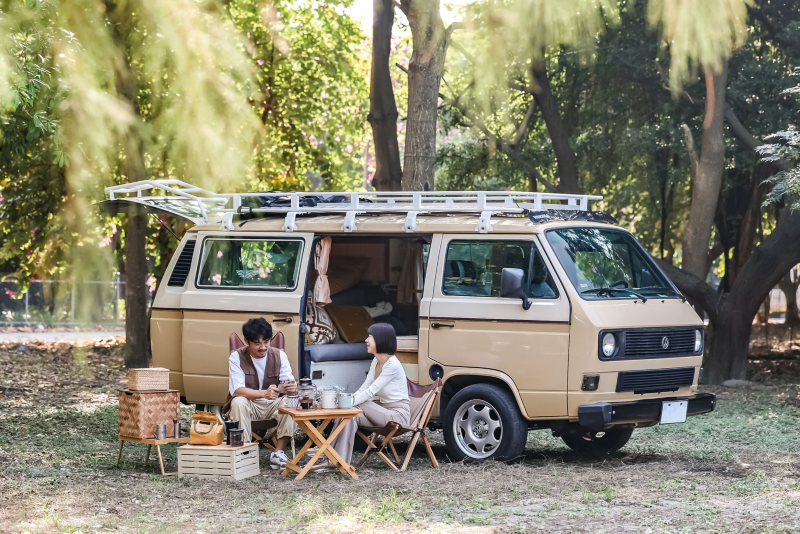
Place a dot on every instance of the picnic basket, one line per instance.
(148, 379)
(140, 412)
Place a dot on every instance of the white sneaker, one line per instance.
(278, 460)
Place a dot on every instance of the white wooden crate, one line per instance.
(218, 461)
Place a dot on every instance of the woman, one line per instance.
(383, 397)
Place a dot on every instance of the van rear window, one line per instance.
(250, 263)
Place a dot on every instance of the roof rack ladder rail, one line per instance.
(584, 203)
(288, 224)
(485, 223)
(349, 222)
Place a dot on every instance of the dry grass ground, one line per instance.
(737, 469)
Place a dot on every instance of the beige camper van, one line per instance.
(536, 312)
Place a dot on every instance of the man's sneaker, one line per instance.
(278, 460)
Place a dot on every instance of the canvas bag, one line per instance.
(206, 429)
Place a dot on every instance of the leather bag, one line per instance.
(206, 429)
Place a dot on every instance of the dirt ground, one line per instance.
(737, 469)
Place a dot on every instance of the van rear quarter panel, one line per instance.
(166, 332)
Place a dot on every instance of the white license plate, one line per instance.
(673, 412)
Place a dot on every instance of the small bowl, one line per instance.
(292, 401)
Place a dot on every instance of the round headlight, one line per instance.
(698, 341)
(609, 344)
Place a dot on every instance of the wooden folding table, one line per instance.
(304, 419)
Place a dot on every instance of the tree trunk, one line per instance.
(732, 313)
(137, 324)
(708, 179)
(567, 167)
(382, 106)
(789, 289)
(425, 71)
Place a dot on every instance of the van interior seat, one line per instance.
(336, 352)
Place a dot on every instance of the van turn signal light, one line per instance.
(590, 382)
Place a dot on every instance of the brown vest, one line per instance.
(272, 372)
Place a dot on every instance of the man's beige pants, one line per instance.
(245, 411)
(375, 414)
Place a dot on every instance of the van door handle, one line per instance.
(285, 320)
(442, 325)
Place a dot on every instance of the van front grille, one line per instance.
(655, 380)
(183, 265)
(647, 342)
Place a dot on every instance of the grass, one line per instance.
(735, 469)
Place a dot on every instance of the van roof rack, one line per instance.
(203, 206)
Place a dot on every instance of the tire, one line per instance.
(597, 442)
(482, 421)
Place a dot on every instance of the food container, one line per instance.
(345, 401)
(328, 400)
(236, 437)
(230, 425)
(292, 401)
(161, 432)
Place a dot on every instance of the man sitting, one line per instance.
(259, 376)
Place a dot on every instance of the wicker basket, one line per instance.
(148, 379)
(140, 412)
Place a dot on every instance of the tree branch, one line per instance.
(694, 288)
(523, 126)
(689, 139)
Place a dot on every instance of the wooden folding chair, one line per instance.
(423, 399)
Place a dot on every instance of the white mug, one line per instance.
(328, 399)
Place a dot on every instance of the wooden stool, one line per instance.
(150, 442)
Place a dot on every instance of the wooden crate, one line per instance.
(141, 411)
(218, 461)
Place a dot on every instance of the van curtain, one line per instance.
(322, 290)
(409, 287)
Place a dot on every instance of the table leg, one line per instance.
(147, 456)
(119, 455)
(292, 466)
(160, 460)
(326, 448)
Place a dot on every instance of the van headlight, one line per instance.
(698, 340)
(609, 344)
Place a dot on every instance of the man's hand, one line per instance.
(271, 393)
(290, 387)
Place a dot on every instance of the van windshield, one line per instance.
(605, 263)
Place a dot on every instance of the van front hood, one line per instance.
(629, 313)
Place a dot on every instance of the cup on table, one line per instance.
(327, 400)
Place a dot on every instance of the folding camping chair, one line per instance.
(267, 426)
(423, 399)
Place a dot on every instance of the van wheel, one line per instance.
(597, 442)
(482, 421)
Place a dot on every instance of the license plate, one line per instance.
(673, 412)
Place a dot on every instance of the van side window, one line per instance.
(250, 263)
(473, 268)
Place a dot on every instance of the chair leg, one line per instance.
(427, 443)
(410, 450)
(394, 451)
(371, 447)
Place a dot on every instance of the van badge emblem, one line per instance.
(665, 342)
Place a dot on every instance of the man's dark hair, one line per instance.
(385, 338)
(255, 329)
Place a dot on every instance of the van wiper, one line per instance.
(667, 289)
(608, 291)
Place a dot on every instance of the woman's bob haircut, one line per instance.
(385, 338)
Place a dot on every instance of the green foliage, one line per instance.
(310, 63)
(785, 184)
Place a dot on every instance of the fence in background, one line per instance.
(62, 303)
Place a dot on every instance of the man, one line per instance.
(259, 376)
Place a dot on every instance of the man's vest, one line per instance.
(272, 372)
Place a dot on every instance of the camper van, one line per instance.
(535, 311)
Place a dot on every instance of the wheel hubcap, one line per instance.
(478, 429)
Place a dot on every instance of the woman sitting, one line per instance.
(383, 397)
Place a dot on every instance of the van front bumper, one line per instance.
(602, 414)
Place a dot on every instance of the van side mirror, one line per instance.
(512, 285)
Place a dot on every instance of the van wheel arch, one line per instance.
(456, 383)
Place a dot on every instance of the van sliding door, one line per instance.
(236, 277)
